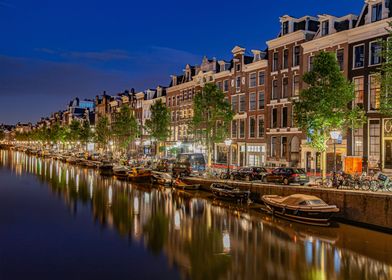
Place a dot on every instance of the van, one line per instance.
(188, 164)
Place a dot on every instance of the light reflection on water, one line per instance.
(208, 239)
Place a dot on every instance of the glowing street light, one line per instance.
(228, 145)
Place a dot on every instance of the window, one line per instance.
(283, 147)
(296, 55)
(252, 80)
(238, 83)
(261, 78)
(238, 67)
(358, 142)
(242, 128)
(252, 101)
(169, 102)
(219, 85)
(226, 85)
(375, 53)
(252, 127)
(374, 86)
(285, 27)
(275, 62)
(296, 85)
(261, 100)
(374, 140)
(273, 147)
(311, 58)
(234, 103)
(359, 91)
(242, 103)
(286, 59)
(234, 129)
(376, 12)
(284, 117)
(359, 56)
(275, 89)
(325, 28)
(274, 118)
(260, 126)
(340, 58)
(285, 88)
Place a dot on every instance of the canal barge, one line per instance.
(307, 209)
(224, 191)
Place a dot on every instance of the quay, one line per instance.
(367, 209)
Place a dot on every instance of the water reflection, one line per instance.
(209, 239)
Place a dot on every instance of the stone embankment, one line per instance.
(369, 209)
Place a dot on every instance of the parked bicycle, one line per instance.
(382, 183)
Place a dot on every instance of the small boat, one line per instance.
(71, 160)
(161, 178)
(121, 172)
(179, 184)
(106, 168)
(300, 208)
(224, 191)
(139, 174)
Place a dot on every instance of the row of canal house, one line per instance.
(262, 85)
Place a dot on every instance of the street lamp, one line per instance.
(228, 145)
(335, 134)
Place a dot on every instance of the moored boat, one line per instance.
(161, 178)
(301, 208)
(139, 174)
(179, 184)
(224, 191)
(121, 172)
(106, 168)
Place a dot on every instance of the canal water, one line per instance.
(59, 221)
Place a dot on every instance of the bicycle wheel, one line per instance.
(374, 185)
(365, 185)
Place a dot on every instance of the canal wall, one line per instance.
(368, 209)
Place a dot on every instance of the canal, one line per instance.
(59, 221)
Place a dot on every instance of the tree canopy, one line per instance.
(158, 126)
(323, 105)
(212, 117)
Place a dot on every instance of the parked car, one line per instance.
(165, 165)
(188, 164)
(287, 175)
(249, 173)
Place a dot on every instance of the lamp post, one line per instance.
(335, 134)
(228, 145)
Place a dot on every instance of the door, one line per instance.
(388, 154)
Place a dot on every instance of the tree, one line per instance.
(212, 117)
(158, 125)
(74, 131)
(386, 75)
(324, 105)
(103, 131)
(85, 133)
(2, 135)
(125, 127)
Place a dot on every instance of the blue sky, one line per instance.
(53, 51)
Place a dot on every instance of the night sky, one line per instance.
(52, 51)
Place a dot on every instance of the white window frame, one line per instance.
(253, 73)
(364, 51)
(256, 101)
(257, 125)
(370, 54)
(255, 132)
(258, 78)
(369, 93)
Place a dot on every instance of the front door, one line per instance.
(388, 154)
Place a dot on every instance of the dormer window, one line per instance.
(285, 27)
(376, 12)
(325, 28)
